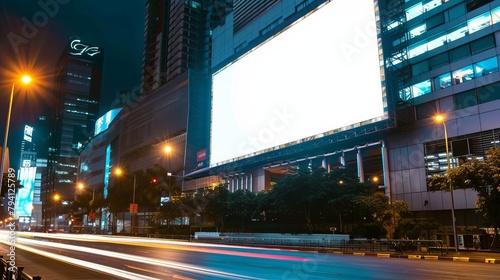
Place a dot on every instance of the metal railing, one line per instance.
(398, 246)
(9, 272)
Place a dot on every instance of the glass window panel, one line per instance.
(414, 11)
(419, 30)
(456, 11)
(486, 67)
(435, 21)
(457, 33)
(465, 99)
(459, 53)
(392, 25)
(442, 81)
(489, 93)
(495, 15)
(417, 49)
(405, 94)
(482, 44)
(420, 68)
(463, 75)
(438, 60)
(479, 22)
(421, 88)
(438, 42)
(431, 4)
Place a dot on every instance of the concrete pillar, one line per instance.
(361, 171)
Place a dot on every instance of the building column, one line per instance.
(385, 170)
(361, 172)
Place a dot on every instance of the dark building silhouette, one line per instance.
(77, 91)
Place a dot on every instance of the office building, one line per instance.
(77, 90)
(438, 57)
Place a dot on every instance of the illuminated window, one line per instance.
(479, 22)
(419, 30)
(485, 67)
(457, 33)
(442, 81)
(414, 11)
(495, 15)
(437, 42)
(421, 88)
(463, 75)
(431, 4)
(417, 49)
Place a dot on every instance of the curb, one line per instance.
(487, 260)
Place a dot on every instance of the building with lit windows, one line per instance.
(77, 90)
(437, 57)
(335, 84)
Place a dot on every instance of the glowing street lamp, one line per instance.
(56, 198)
(440, 119)
(25, 80)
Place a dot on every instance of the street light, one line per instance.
(82, 187)
(133, 209)
(56, 198)
(25, 80)
(440, 118)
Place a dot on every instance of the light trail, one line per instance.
(122, 256)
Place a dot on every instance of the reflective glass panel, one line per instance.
(463, 75)
(442, 81)
(486, 67)
(479, 22)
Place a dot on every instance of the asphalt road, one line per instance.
(141, 258)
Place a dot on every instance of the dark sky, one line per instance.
(33, 35)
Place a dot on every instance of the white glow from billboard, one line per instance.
(320, 75)
(24, 197)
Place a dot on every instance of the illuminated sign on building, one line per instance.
(78, 48)
(28, 133)
(103, 122)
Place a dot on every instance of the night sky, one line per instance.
(33, 35)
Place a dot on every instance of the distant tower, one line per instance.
(177, 38)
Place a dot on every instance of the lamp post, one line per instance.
(440, 118)
(55, 198)
(25, 80)
(133, 209)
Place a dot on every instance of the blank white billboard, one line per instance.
(321, 74)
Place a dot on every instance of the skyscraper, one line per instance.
(77, 90)
(177, 37)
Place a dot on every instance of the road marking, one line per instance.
(460, 259)
(431, 258)
(489, 260)
(358, 254)
(383, 255)
(415, 257)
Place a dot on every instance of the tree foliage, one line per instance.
(483, 176)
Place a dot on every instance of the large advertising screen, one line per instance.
(24, 197)
(319, 75)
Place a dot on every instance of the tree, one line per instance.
(388, 215)
(302, 195)
(483, 176)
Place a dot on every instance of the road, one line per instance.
(143, 258)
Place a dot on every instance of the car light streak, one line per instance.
(89, 265)
(180, 245)
(137, 259)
